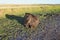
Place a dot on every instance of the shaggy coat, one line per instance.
(30, 20)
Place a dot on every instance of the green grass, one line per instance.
(8, 26)
(37, 9)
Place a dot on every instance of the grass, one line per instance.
(10, 27)
(37, 9)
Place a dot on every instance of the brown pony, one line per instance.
(30, 20)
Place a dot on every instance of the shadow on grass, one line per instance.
(13, 17)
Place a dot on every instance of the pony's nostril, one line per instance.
(29, 26)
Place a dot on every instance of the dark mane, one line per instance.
(35, 17)
(31, 15)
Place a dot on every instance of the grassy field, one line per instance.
(11, 27)
(22, 9)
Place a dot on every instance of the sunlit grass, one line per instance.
(31, 9)
(8, 26)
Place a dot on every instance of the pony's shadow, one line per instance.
(13, 17)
